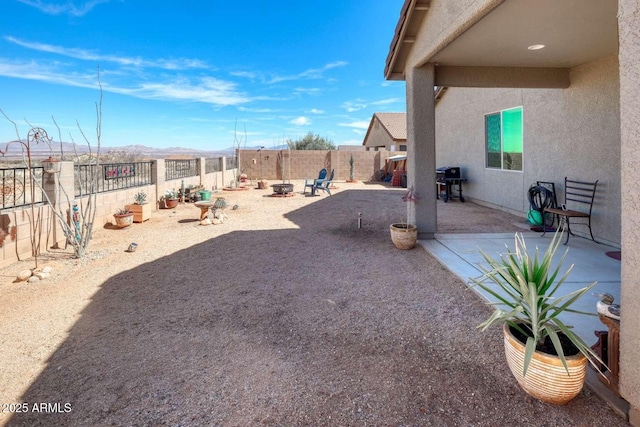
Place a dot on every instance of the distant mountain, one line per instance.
(39, 151)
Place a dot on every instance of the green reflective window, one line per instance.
(504, 139)
(494, 145)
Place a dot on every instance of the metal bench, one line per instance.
(579, 194)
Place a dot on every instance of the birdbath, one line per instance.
(204, 207)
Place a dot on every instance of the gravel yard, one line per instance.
(286, 314)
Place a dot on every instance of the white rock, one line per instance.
(33, 279)
(47, 269)
(24, 275)
(41, 275)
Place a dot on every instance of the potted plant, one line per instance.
(170, 199)
(123, 217)
(547, 358)
(140, 208)
(403, 234)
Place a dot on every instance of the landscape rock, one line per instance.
(34, 279)
(24, 275)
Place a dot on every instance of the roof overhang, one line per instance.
(574, 32)
(411, 15)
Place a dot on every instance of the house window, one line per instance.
(403, 148)
(504, 142)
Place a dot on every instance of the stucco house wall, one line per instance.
(386, 131)
(629, 35)
(378, 138)
(572, 132)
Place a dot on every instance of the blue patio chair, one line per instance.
(323, 184)
(312, 182)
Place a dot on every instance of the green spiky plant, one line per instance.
(528, 302)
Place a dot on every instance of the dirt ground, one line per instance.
(285, 315)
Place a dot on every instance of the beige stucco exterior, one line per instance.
(558, 141)
(378, 139)
(629, 33)
(387, 131)
(585, 126)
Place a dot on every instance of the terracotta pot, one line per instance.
(123, 220)
(546, 379)
(404, 236)
(171, 203)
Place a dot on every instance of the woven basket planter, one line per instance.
(546, 378)
(404, 236)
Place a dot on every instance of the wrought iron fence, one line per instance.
(232, 163)
(176, 169)
(16, 186)
(111, 176)
(213, 164)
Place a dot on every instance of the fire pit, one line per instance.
(282, 189)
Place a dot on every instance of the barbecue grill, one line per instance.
(446, 178)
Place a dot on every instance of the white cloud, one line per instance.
(312, 73)
(316, 111)
(68, 7)
(86, 55)
(308, 91)
(246, 74)
(43, 72)
(387, 101)
(256, 110)
(208, 90)
(358, 131)
(357, 124)
(300, 121)
(353, 106)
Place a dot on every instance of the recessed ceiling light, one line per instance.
(536, 47)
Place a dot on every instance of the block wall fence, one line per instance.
(15, 224)
(303, 164)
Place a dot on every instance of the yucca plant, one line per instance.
(528, 302)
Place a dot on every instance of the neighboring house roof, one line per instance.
(394, 124)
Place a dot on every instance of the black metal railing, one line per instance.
(232, 163)
(15, 190)
(111, 176)
(213, 164)
(176, 169)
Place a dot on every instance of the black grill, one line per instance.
(447, 172)
(446, 178)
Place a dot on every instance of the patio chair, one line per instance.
(576, 192)
(312, 181)
(323, 184)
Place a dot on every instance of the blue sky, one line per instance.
(185, 73)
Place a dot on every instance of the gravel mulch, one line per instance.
(285, 315)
